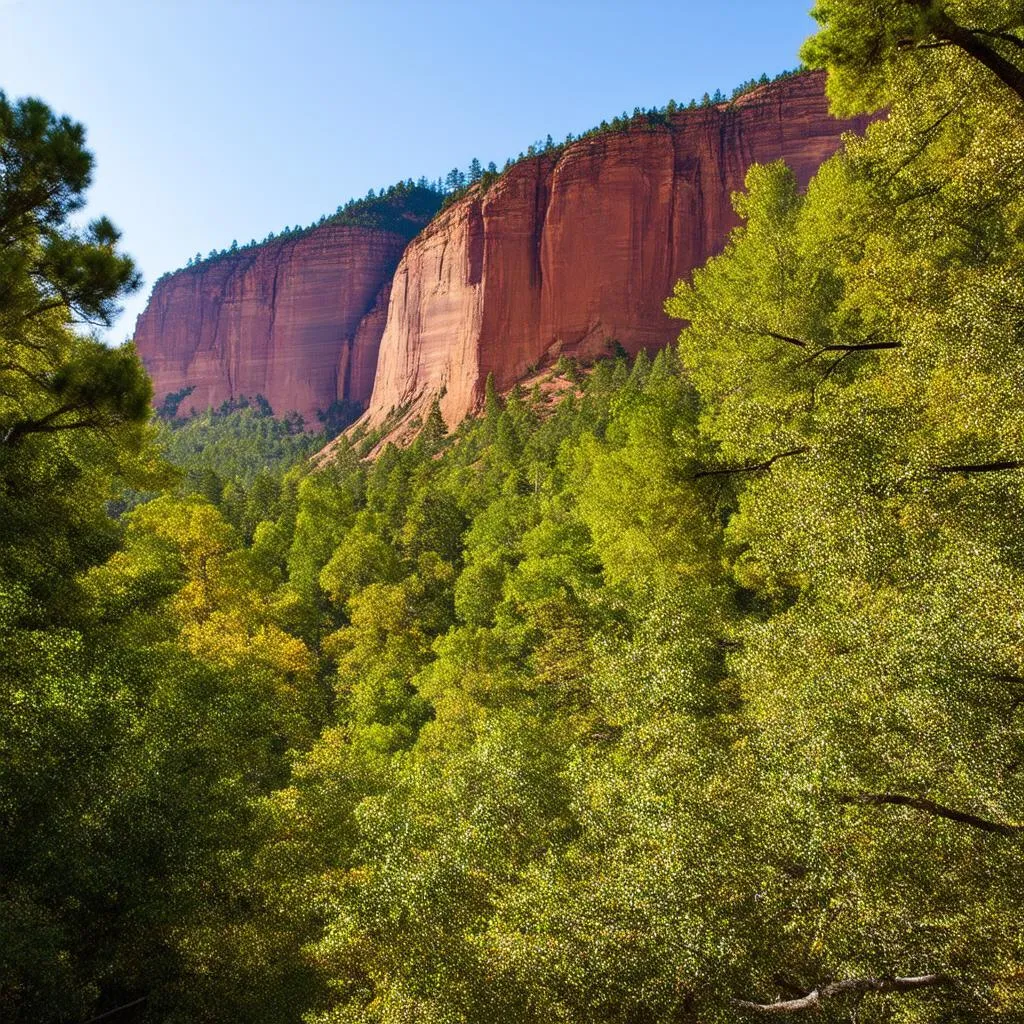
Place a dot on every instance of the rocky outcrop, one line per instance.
(571, 253)
(297, 320)
(568, 252)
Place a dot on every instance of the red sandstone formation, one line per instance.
(572, 252)
(297, 320)
(566, 252)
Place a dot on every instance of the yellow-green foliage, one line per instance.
(698, 694)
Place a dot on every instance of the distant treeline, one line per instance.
(401, 206)
(457, 183)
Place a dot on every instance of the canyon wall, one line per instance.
(571, 251)
(297, 320)
(574, 251)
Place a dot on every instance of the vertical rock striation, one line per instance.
(297, 320)
(570, 252)
(575, 251)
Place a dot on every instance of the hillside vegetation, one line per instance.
(694, 696)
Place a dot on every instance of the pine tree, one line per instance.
(455, 180)
(433, 432)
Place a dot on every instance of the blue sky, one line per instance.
(214, 120)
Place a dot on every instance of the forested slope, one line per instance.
(692, 696)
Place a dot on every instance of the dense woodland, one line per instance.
(694, 695)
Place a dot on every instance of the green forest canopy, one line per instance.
(694, 697)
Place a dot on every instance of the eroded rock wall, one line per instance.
(298, 321)
(574, 252)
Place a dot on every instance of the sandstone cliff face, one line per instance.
(566, 252)
(298, 321)
(571, 253)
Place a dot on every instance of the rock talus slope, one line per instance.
(575, 251)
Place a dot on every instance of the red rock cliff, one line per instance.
(566, 253)
(297, 320)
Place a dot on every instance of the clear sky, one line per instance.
(214, 120)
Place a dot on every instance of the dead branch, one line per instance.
(850, 986)
(938, 810)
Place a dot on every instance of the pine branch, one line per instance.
(48, 424)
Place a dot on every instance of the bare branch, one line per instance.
(117, 1009)
(786, 338)
(1006, 37)
(980, 467)
(863, 346)
(759, 467)
(850, 986)
(910, 44)
(849, 350)
(930, 807)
